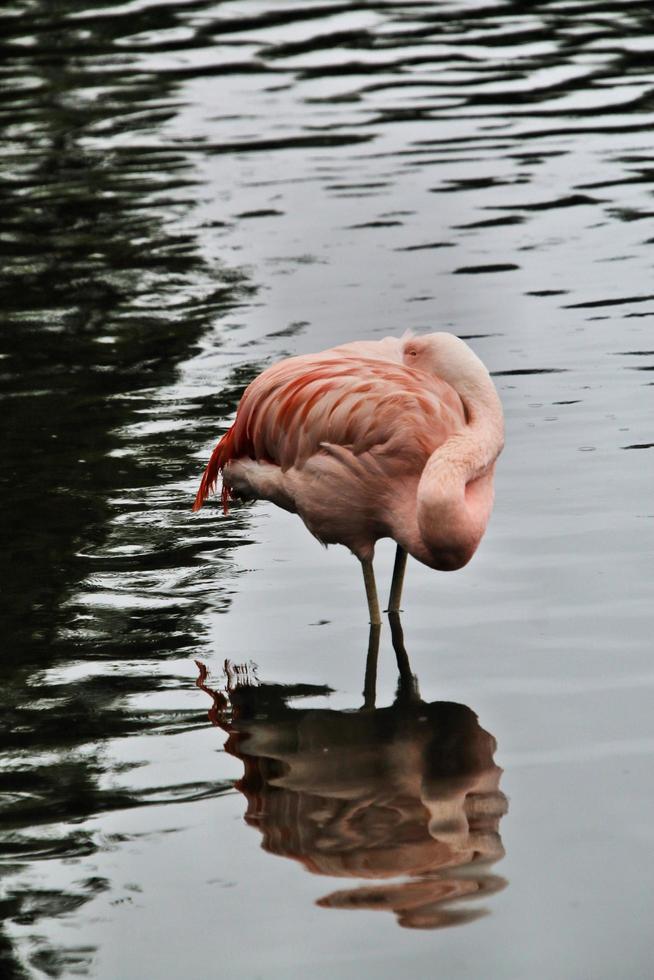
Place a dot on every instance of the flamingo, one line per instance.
(392, 438)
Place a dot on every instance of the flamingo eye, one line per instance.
(411, 352)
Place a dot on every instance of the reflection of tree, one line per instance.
(101, 297)
(100, 293)
(409, 791)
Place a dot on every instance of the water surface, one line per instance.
(190, 191)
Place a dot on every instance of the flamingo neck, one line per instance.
(455, 492)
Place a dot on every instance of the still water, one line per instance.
(188, 192)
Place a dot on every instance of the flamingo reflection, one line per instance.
(408, 792)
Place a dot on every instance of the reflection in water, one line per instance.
(407, 792)
(103, 292)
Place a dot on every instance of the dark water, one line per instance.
(189, 191)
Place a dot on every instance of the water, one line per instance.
(190, 191)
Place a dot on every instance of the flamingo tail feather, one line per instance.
(221, 455)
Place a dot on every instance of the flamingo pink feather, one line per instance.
(347, 437)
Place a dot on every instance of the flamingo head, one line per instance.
(441, 354)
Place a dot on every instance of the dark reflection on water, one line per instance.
(102, 293)
(410, 791)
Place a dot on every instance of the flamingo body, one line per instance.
(393, 438)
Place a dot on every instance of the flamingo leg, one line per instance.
(397, 582)
(371, 592)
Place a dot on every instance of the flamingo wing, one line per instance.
(361, 403)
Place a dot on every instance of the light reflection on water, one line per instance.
(190, 191)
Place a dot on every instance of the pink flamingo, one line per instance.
(392, 438)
